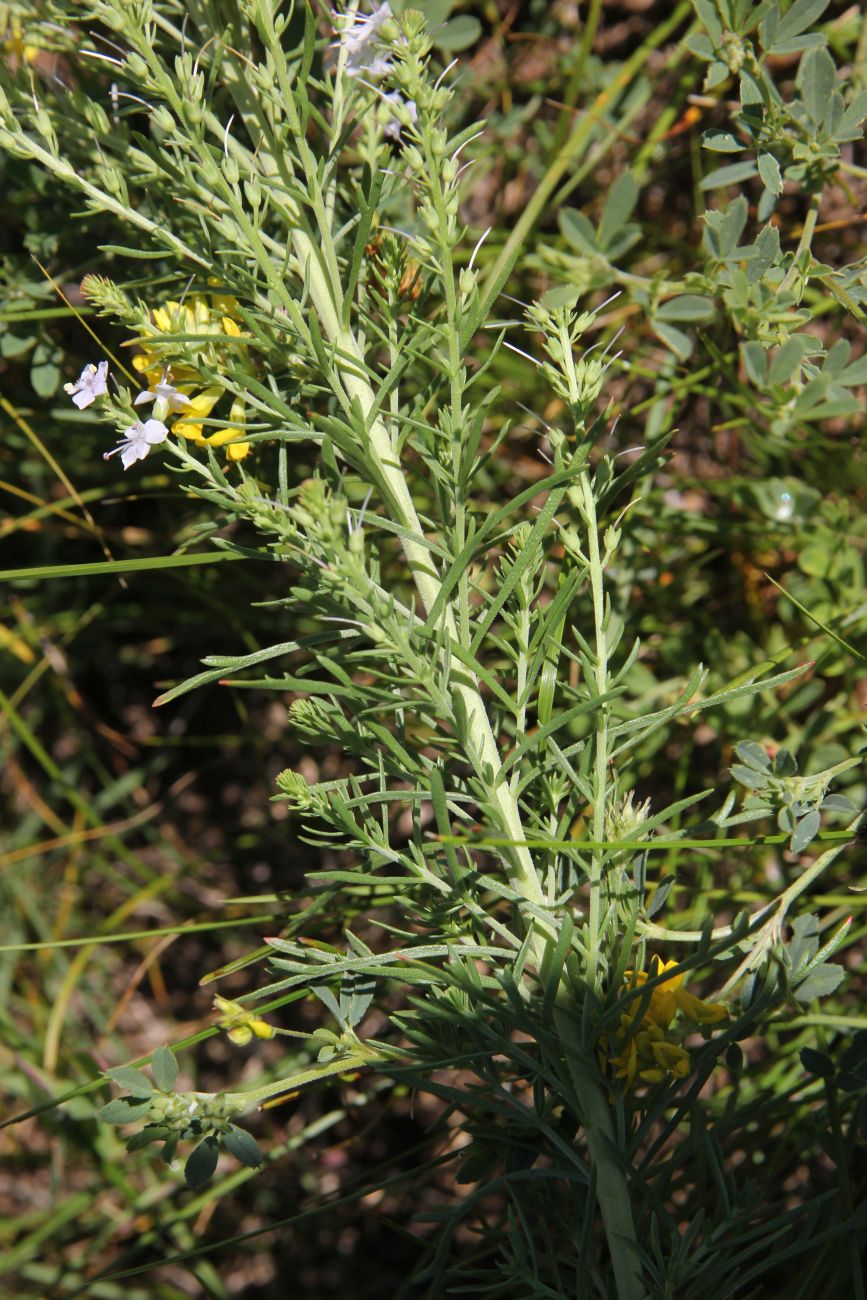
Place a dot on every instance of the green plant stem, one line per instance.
(243, 1101)
(351, 367)
(770, 932)
(600, 759)
(612, 1190)
(804, 242)
(584, 501)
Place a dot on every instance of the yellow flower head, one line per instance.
(165, 357)
(240, 1024)
(648, 1049)
(669, 997)
(14, 45)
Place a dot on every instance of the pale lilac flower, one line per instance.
(405, 112)
(360, 40)
(163, 392)
(137, 441)
(91, 384)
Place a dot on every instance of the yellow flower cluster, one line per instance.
(649, 1050)
(240, 1024)
(155, 363)
(14, 45)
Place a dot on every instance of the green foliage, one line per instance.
(486, 607)
(797, 801)
(172, 1117)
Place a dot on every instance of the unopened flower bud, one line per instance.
(163, 119)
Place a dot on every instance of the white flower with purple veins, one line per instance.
(360, 40)
(163, 392)
(137, 441)
(91, 384)
(404, 113)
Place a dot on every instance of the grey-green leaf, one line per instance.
(123, 1111)
(660, 897)
(755, 359)
(789, 358)
(801, 15)
(619, 206)
(680, 343)
(769, 170)
(817, 78)
(687, 307)
(145, 1136)
(819, 983)
(578, 231)
(164, 1068)
(838, 803)
(749, 777)
(435, 11)
(243, 1146)
(133, 1081)
(457, 34)
(11, 345)
(201, 1163)
(699, 45)
(785, 763)
(805, 832)
(721, 142)
(753, 755)
(45, 379)
(733, 174)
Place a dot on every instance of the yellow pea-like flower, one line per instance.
(241, 1025)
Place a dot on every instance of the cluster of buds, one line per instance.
(299, 794)
(577, 381)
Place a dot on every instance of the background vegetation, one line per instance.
(144, 857)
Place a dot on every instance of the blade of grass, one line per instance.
(44, 572)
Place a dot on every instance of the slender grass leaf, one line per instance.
(43, 572)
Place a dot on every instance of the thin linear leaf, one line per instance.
(45, 572)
